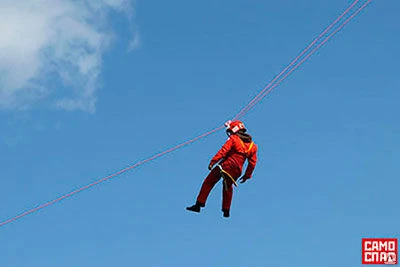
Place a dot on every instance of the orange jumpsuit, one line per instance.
(232, 157)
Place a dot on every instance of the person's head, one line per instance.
(233, 127)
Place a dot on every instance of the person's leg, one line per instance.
(227, 193)
(212, 178)
(208, 184)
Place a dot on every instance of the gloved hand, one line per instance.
(210, 167)
(243, 179)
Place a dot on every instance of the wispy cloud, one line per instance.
(44, 41)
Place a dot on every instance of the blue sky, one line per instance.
(138, 78)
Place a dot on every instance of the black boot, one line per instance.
(196, 207)
(226, 213)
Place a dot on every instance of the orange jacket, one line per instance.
(233, 155)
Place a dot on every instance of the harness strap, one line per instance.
(226, 174)
(250, 147)
(244, 147)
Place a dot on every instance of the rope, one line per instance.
(109, 177)
(252, 103)
(268, 88)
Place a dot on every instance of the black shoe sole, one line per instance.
(194, 210)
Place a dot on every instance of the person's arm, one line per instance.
(222, 152)
(252, 162)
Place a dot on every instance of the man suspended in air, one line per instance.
(228, 164)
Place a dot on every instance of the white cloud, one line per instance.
(42, 41)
